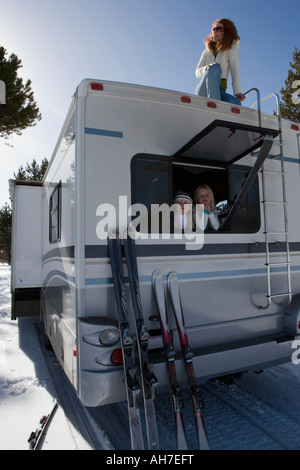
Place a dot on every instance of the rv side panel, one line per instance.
(59, 250)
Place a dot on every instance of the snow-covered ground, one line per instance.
(26, 387)
(257, 412)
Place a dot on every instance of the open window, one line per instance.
(212, 158)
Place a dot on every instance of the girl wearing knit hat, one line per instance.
(183, 214)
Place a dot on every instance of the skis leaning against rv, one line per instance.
(131, 382)
(175, 389)
(197, 401)
(148, 380)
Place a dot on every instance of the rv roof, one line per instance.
(224, 141)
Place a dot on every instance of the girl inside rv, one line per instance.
(209, 218)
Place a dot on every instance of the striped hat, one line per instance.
(181, 196)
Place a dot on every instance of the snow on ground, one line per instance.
(24, 398)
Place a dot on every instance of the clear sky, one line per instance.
(147, 42)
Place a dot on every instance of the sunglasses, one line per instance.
(219, 29)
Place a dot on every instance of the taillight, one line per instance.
(211, 104)
(116, 356)
(185, 99)
(97, 86)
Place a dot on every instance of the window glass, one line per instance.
(151, 182)
(247, 218)
(54, 214)
(151, 187)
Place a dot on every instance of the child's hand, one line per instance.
(207, 208)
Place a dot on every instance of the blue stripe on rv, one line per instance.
(197, 275)
(183, 276)
(104, 132)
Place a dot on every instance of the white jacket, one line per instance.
(202, 219)
(229, 63)
(183, 221)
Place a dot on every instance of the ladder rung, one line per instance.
(283, 263)
(276, 156)
(280, 295)
(273, 172)
(274, 202)
(276, 233)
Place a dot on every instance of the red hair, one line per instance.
(230, 35)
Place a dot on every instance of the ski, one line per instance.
(187, 352)
(148, 380)
(35, 436)
(175, 389)
(130, 371)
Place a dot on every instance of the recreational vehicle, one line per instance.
(123, 148)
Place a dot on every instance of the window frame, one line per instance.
(200, 163)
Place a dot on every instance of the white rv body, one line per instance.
(114, 138)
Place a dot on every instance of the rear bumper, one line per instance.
(100, 388)
(251, 357)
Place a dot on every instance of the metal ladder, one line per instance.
(286, 264)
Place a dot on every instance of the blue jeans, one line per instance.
(209, 86)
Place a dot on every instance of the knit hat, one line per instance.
(181, 196)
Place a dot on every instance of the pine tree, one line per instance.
(20, 110)
(290, 106)
(32, 172)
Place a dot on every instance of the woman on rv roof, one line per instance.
(208, 217)
(218, 60)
